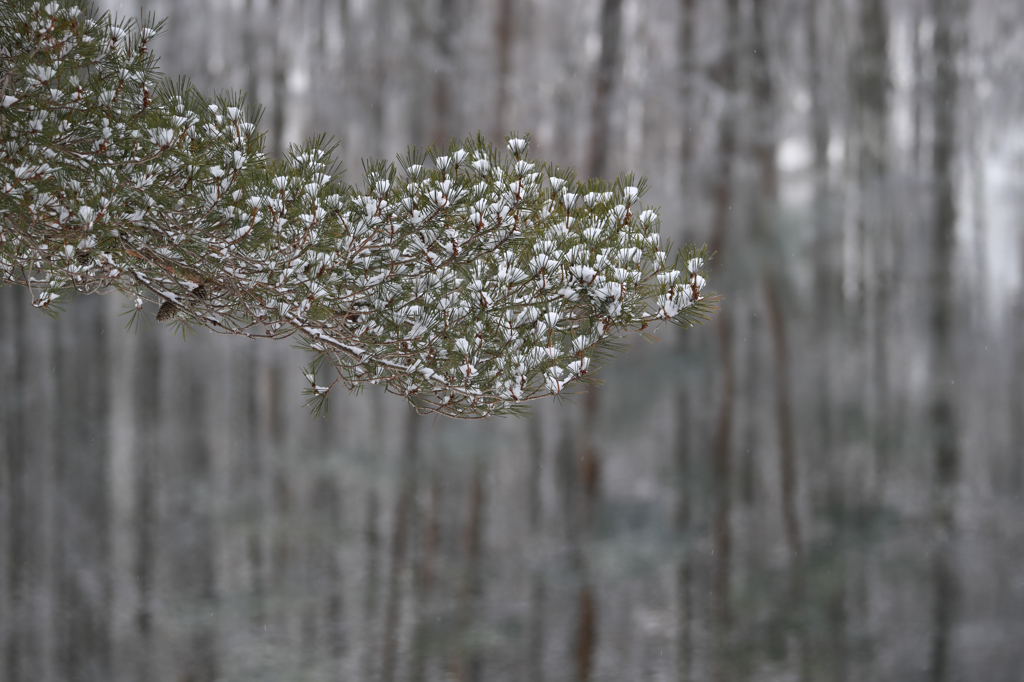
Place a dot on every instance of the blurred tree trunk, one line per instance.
(82, 552)
(376, 89)
(346, 75)
(446, 36)
(829, 339)
(764, 223)
(279, 75)
(534, 669)
(585, 644)
(279, 499)
(427, 527)
(684, 569)
(573, 493)
(251, 38)
(327, 507)
(191, 570)
(267, 552)
(26, 487)
(721, 450)
(567, 61)
(764, 150)
(369, 620)
(1012, 481)
(148, 411)
(399, 540)
(976, 174)
(609, 65)
(469, 667)
(943, 420)
(870, 88)
(504, 38)
(687, 94)
(918, 89)
(588, 464)
(827, 280)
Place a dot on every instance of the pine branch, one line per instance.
(468, 279)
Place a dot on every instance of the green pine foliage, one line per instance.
(468, 279)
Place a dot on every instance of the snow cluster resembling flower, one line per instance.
(469, 279)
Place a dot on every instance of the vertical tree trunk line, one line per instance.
(943, 417)
(82, 551)
(721, 450)
(399, 540)
(25, 482)
(534, 669)
(684, 568)
(377, 87)
(190, 522)
(148, 386)
(426, 543)
(608, 67)
(371, 541)
(872, 91)
(683, 517)
(827, 285)
(328, 510)
(505, 37)
(918, 91)
(588, 463)
(446, 118)
(251, 55)
(764, 223)
(469, 666)
(278, 76)
(687, 92)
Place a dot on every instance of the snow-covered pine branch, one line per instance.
(468, 279)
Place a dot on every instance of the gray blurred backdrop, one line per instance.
(823, 483)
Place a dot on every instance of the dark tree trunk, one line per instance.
(827, 282)
(504, 38)
(279, 74)
(534, 669)
(919, 91)
(82, 554)
(251, 55)
(721, 450)
(399, 541)
(372, 541)
(585, 644)
(608, 67)
(427, 527)
(27, 456)
(871, 87)
(684, 570)
(764, 152)
(446, 120)
(377, 87)
(943, 416)
(687, 93)
(190, 520)
(148, 388)
(471, 664)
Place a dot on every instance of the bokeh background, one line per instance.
(822, 483)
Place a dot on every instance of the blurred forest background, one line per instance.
(823, 483)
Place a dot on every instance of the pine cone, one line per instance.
(168, 309)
